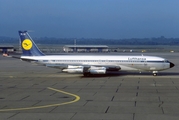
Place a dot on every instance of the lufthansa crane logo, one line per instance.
(27, 44)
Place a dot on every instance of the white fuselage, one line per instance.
(140, 63)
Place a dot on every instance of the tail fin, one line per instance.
(29, 48)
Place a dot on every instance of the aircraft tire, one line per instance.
(154, 74)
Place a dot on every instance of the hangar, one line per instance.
(85, 48)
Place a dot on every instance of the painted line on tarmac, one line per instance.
(77, 98)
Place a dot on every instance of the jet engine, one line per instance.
(74, 69)
(85, 70)
(97, 70)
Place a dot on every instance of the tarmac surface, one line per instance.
(31, 92)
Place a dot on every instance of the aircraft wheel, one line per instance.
(155, 74)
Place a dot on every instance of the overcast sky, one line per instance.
(114, 19)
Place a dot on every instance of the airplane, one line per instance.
(90, 64)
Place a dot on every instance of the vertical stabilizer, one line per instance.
(29, 48)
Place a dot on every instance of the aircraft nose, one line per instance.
(171, 65)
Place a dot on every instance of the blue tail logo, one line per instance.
(29, 48)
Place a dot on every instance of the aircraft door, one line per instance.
(145, 63)
(106, 62)
(99, 62)
(164, 63)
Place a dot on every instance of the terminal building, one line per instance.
(6, 48)
(85, 48)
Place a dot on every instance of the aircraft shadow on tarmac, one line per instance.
(133, 73)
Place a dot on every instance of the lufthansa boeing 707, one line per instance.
(90, 64)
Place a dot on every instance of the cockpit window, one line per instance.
(166, 61)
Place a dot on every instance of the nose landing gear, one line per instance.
(155, 73)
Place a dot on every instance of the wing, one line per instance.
(70, 66)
